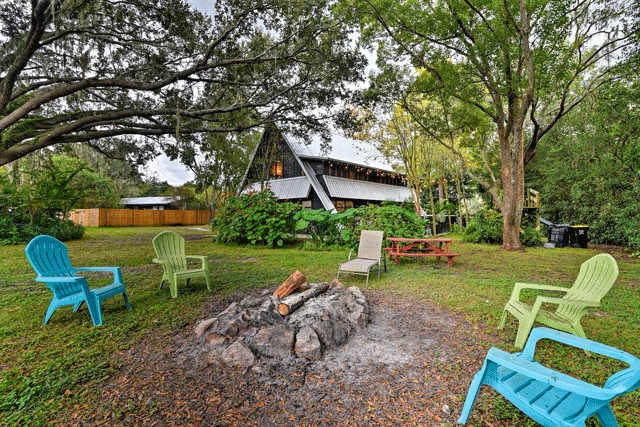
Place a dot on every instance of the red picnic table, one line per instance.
(403, 246)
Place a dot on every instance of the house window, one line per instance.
(276, 170)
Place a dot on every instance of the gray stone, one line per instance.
(275, 341)
(324, 330)
(340, 333)
(308, 344)
(359, 316)
(337, 310)
(237, 354)
(215, 339)
(202, 327)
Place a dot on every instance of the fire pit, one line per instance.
(297, 322)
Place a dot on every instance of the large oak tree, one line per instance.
(524, 64)
(140, 72)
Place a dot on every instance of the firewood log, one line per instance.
(291, 284)
(293, 302)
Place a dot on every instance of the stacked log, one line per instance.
(293, 302)
(294, 282)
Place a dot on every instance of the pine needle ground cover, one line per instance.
(136, 369)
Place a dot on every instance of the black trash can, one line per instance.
(579, 236)
(559, 235)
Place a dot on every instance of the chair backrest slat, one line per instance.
(597, 276)
(170, 246)
(49, 258)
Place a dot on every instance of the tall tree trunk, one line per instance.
(461, 202)
(433, 207)
(512, 172)
(414, 187)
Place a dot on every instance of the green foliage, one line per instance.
(256, 219)
(588, 167)
(487, 227)
(326, 229)
(394, 220)
(22, 217)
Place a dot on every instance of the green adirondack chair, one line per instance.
(596, 277)
(169, 248)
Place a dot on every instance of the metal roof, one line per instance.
(286, 188)
(341, 149)
(148, 200)
(343, 188)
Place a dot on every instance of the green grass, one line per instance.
(52, 368)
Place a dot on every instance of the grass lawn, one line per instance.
(45, 370)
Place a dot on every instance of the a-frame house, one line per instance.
(348, 174)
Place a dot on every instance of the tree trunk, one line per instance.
(433, 207)
(292, 303)
(513, 189)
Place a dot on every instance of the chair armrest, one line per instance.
(555, 300)
(575, 341)
(203, 258)
(59, 279)
(349, 258)
(515, 294)
(117, 274)
(160, 260)
(519, 363)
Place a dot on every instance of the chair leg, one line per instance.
(606, 417)
(503, 319)
(94, 309)
(77, 305)
(126, 300)
(474, 388)
(206, 277)
(173, 286)
(50, 310)
(524, 328)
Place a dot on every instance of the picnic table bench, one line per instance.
(403, 246)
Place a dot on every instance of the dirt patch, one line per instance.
(412, 365)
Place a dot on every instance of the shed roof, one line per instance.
(164, 200)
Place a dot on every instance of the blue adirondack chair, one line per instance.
(49, 258)
(548, 396)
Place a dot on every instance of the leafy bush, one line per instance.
(256, 219)
(487, 227)
(326, 229)
(21, 220)
(394, 220)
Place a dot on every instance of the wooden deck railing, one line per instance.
(102, 217)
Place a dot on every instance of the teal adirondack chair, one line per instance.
(548, 396)
(49, 258)
(597, 275)
(169, 248)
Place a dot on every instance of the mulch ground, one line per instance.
(411, 366)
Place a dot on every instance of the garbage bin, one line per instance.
(559, 235)
(579, 236)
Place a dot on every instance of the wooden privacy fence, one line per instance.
(103, 217)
